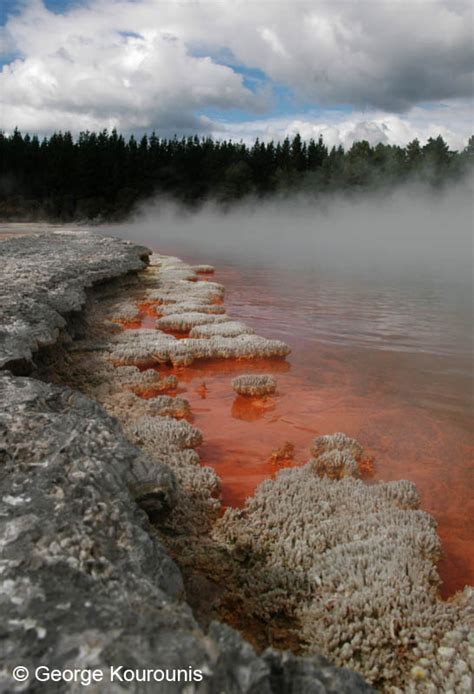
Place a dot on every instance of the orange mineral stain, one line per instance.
(154, 391)
(284, 455)
(367, 393)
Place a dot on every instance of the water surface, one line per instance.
(388, 362)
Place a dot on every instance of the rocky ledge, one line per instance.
(44, 278)
(86, 586)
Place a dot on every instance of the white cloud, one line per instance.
(453, 121)
(131, 64)
(106, 76)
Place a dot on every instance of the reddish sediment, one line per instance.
(322, 391)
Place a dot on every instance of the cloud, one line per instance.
(106, 76)
(134, 65)
(451, 120)
(387, 55)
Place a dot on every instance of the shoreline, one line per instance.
(379, 397)
(241, 548)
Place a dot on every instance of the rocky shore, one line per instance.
(85, 581)
(114, 547)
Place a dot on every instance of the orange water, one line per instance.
(406, 400)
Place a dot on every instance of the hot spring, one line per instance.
(376, 305)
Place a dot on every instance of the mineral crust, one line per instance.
(85, 581)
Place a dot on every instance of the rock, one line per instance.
(289, 675)
(152, 485)
(43, 278)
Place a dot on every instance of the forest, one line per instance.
(105, 176)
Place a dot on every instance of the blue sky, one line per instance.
(8, 7)
(284, 102)
(348, 70)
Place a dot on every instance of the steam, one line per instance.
(412, 231)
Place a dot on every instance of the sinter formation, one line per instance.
(317, 561)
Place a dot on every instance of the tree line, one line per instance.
(104, 175)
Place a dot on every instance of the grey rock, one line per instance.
(152, 485)
(44, 277)
(292, 675)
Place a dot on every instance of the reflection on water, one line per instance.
(387, 364)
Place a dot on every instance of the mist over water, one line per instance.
(391, 270)
(411, 229)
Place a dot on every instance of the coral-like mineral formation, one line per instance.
(225, 329)
(167, 406)
(355, 567)
(190, 307)
(124, 311)
(203, 269)
(182, 322)
(336, 442)
(250, 384)
(144, 347)
(153, 431)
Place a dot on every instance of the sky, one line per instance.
(380, 70)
